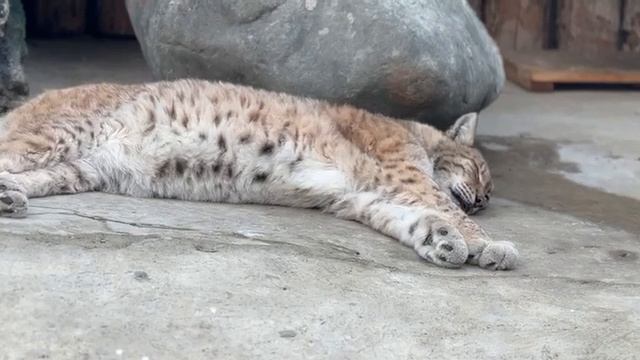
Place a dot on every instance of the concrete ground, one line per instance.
(95, 276)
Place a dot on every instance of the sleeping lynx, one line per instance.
(197, 140)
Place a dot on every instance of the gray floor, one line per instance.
(97, 276)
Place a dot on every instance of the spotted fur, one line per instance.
(197, 140)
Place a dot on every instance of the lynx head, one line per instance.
(459, 169)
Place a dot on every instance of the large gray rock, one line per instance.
(428, 59)
(13, 86)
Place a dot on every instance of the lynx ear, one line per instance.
(464, 130)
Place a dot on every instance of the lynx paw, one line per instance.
(498, 255)
(443, 246)
(13, 201)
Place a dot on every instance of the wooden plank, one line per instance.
(531, 30)
(521, 75)
(113, 19)
(517, 24)
(542, 70)
(631, 26)
(588, 26)
(56, 17)
(501, 20)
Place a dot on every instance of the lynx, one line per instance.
(219, 142)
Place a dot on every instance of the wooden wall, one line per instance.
(74, 17)
(56, 17)
(631, 26)
(575, 25)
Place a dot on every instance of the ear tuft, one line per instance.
(464, 130)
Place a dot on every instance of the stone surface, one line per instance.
(13, 84)
(225, 281)
(94, 276)
(427, 59)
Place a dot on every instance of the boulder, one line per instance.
(13, 85)
(431, 60)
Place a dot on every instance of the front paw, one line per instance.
(13, 200)
(443, 245)
(498, 255)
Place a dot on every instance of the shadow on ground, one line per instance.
(528, 170)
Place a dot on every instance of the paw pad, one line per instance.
(499, 255)
(13, 201)
(443, 246)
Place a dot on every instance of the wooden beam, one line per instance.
(543, 70)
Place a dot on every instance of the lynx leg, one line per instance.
(488, 254)
(416, 189)
(17, 155)
(62, 178)
(429, 233)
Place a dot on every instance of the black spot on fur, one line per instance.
(198, 170)
(413, 227)
(77, 173)
(281, 139)
(79, 129)
(222, 143)
(202, 136)
(230, 170)
(149, 128)
(181, 165)
(295, 162)
(216, 119)
(172, 111)
(254, 116)
(447, 247)
(429, 239)
(408, 181)
(151, 116)
(245, 138)
(216, 167)
(267, 148)
(260, 177)
(163, 169)
(185, 121)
